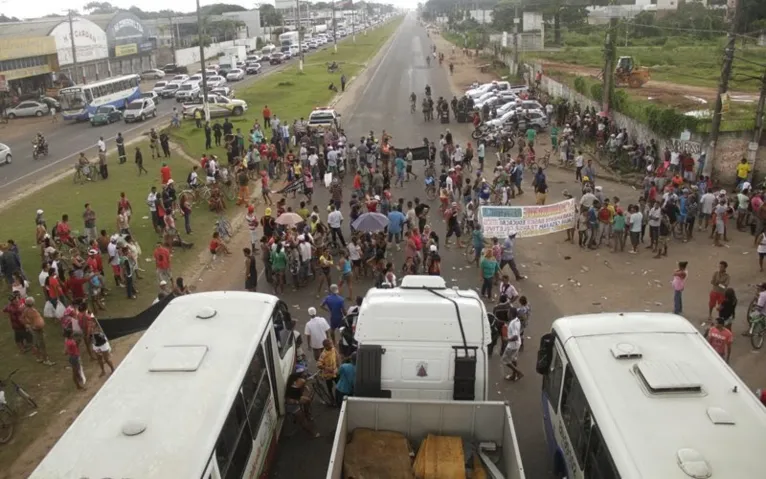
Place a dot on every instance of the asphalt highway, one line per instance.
(384, 104)
(68, 139)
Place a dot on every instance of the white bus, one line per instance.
(80, 102)
(643, 395)
(200, 395)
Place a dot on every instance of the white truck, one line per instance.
(239, 52)
(288, 39)
(368, 427)
(320, 29)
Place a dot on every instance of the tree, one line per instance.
(96, 8)
(3, 18)
(220, 8)
(270, 16)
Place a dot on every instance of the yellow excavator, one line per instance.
(627, 74)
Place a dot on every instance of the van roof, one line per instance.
(420, 314)
(653, 375)
(177, 382)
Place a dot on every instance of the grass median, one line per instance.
(290, 94)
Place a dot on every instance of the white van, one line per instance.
(422, 340)
(268, 50)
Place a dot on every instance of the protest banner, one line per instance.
(527, 221)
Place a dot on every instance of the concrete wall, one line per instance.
(528, 41)
(187, 56)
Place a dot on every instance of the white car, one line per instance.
(253, 68)
(27, 108)
(313, 44)
(159, 86)
(215, 81)
(235, 75)
(179, 79)
(153, 74)
(196, 77)
(5, 154)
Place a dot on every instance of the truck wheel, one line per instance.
(143, 117)
(237, 111)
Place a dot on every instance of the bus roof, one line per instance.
(172, 384)
(102, 82)
(661, 395)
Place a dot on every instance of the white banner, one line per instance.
(527, 221)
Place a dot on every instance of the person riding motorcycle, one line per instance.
(41, 146)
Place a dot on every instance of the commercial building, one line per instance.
(26, 63)
(90, 51)
(130, 47)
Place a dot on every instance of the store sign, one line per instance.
(89, 40)
(12, 48)
(125, 28)
(144, 47)
(526, 221)
(26, 72)
(124, 50)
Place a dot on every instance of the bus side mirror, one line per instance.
(545, 354)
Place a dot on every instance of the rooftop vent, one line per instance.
(693, 464)
(206, 313)
(178, 359)
(720, 416)
(662, 378)
(133, 428)
(626, 351)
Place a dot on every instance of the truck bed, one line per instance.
(474, 422)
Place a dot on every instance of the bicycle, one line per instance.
(678, 230)
(223, 227)
(543, 162)
(431, 188)
(412, 107)
(8, 416)
(81, 177)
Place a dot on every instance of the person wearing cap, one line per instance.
(433, 261)
(316, 331)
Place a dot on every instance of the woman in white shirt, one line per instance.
(355, 256)
(760, 242)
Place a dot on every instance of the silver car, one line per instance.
(5, 154)
(27, 108)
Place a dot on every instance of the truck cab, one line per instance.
(422, 340)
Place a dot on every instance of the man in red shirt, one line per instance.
(162, 263)
(266, 117)
(720, 338)
(76, 287)
(63, 231)
(165, 173)
(15, 310)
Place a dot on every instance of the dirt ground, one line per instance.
(466, 69)
(664, 93)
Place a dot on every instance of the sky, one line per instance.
(22, 9)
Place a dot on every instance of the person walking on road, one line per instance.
(513, 345)
(679, 282)
(120, 142)
(208, 136)
(508, 256)
(140, 162)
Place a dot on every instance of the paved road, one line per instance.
(69, 139)
(385, 105)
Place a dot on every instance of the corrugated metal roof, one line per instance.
(30, 28)
(102, 19)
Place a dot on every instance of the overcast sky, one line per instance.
(32, 9)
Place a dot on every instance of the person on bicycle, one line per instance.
(298, 400)
(760, 304)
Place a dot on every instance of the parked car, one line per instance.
(188, 91)
(5, 154)
(286, 55)
(153, 96)
(172, 68)
(253, 68)
(170, 90)
(196, 77)
(254, 58)
(105, 115)
(276, 58)
(223, 91)
(219, 106)
(179, 79)
(51, 102)
(140, 110)
(235, 75)
(159, 86)
(153, 74)
(313, 44)
(27, 108)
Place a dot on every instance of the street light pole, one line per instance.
(74, 49)
(300, 37)
(353, 22)
(205, 107)
(334, 37)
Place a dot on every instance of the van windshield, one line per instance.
(135, 105)
(187, 87)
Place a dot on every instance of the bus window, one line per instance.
(576, 415)
(235, 441)
(552, 380)
(88, 95)
(599, 464)
(256, 389)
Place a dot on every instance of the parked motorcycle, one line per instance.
(39, 150)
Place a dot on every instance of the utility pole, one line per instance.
(300, 37)
(205, 106)
(516, 38)
(334, 37)
(74, 49)
(723, 87)
(353, 22)
(172, 35)
(610, 47)
(752, 151)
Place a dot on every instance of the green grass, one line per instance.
(674, 62)
(64, 197)
(290, 94)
